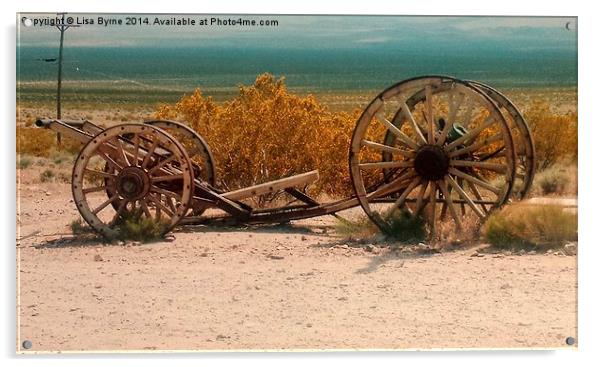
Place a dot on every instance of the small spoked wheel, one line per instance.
(436, 147)
(132, 170)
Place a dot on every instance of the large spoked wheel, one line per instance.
(436, 147)
(521, 138)
(132, 170)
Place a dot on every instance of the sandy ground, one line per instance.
(299, 286)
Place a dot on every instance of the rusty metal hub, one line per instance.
(431, 162)
(133, 183)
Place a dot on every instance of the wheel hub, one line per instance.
(431, 162)
(133, 183)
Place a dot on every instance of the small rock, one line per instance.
(308, 325)
(371, 248)
(97, 257)
(169, 238)
(344, 247)
(275, 257)
(303, 238)
(48, 193)
(570, 249)
(505, 286)
(532, 252)
(477, 254)
(204, 254)
(522, 252)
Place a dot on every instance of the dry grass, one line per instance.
(401, 227)
(558, 179)
(533, 227)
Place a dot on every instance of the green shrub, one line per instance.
(533, 227)
(78, 226)
(24, 161)
(360, 226)
(47, 175)
(135, 226)
(553, 180)
(403, 226)
(400, 226)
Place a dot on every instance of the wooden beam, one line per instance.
(272, 186)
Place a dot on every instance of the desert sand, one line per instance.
(300, 286)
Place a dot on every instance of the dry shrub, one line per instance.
(266, 133)
(558, 179)
(554, 135)
(42, 142)
(525, 226)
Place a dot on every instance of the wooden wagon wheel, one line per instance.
(150, 176)
(521, 138)
(196, 147)
(199, 154)
(434, 143)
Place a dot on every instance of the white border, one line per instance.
(590, 114)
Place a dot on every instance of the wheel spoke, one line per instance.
(144, 206)
(429, 113)
(94, 189)
(387, 148)
(475, 180)
(477, 194)
(375, 165)
(100, 173)
(451, 117)
(162, 163)
(465, 196)
(150, 153)
(136, 149)
(160, 206)
(120, 209)
(167, 178)
(393, 129)
(433, 203)
(408, 114)
(104, 205)
(391, 186)
(166, 193)
(471, 134)
(121, 152)
(400, 201)
(476, 146)
(448, 201)
(500, 168)
(110, 161)
(420, 200)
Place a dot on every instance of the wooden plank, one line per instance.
(272, 186)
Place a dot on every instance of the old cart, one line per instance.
(435, 146)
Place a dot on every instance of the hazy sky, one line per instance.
(312, 32)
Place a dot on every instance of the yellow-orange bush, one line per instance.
(554, 135)
(266, 133)
(42, 143)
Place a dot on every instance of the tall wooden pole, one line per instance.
(62, 28)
